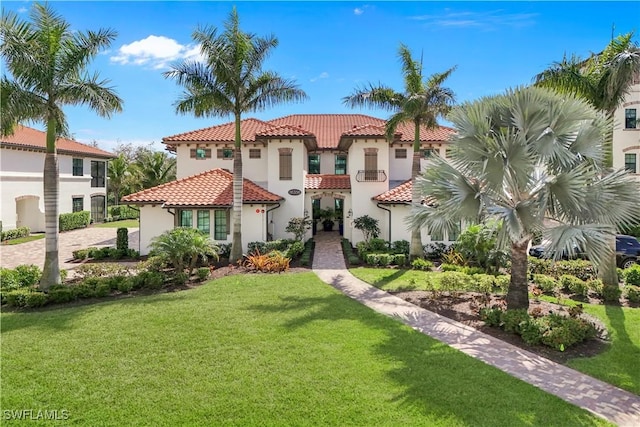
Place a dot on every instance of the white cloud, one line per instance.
(323, 75)
(358, 11)
(481, 20)
(22, 10)
(155, 52)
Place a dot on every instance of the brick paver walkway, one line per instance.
(69, 241)
(609, 402)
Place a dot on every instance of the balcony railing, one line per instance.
(371, 176)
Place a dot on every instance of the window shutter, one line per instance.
(207, 153)
(193, 153)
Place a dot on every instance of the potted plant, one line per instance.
(326, 216)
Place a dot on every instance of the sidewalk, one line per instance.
(611, 403)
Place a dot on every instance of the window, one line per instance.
(203, 221)
(185, 219)
(220, 224)
(200, 153)
(78, 203)
(341, 164)
(371, 164)
(436, 237)
(285, 164)
(429, 152)
(447, 152)
(454, 233)
(314, 163)
(630, 163)
(78, 167)
(224, 153)
(338, 207)
(401, 153)
(255, 153)
(97, 173)
(630, 120)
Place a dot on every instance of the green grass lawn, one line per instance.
(128, 223)
(23, 239)
(255, 350)
(619, 365)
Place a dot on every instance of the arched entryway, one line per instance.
(329, 211)
(28, 213)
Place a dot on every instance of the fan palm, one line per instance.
(47, 62)
(421, 103)
(529, 159)
(231, 82)
(154, 168)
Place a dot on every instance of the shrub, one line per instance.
(611, 293)
(268, 263)
(123, 212)
(434, 251)
(15, 233)
(596, 286)
(421, 264)
(491, 316)
(384, 259)
(179, 279)
(569, 282)
(561, 332)
(579, 268)
(502, 283)
(368, 226)
(28, 275)
(354, 260)
(372, 259)
(122, 239)
(378, 245)
(224, 250)
(540, 266)
(71, 221)
(203, 273)
(183, 247)
(632, 293)
(103, 289)
(512, 320)
(399, 259)
(295, 249)
(546, 283)
(449, 267)
(632, 275)
(478, 246)
(454, 281)
(299, 226)
(80, 254)
(60, 294)
(256, 247)
(17, 297)
(8, 279)
(84, 290)
(36, 299)
(531, 331)
(483, 282)
(104, 269)
(125, 285)
(401, 247)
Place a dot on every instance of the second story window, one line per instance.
(427, 153)
(630, 118)
(371, 164)
(78, 167)
(97, 173)
(255, 153)
(200, 153)
(401, 153)
(286, 164)
(631, 162)
(314, 163)
(341, 164)
(225, 153)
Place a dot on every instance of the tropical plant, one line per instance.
(47, 61)
(531, 159)
(182, 248)
(421, 103)
(368, 226)
(477, 244)
(154, 168)
(118, 172)
(299, 226)
(231, 81)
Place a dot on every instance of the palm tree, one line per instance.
(154, 168)
(604, 80)
(421, 103)
(528, 159)
(47, 61)
(232, 82)
(118, 173)
(182, 248)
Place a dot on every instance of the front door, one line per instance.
(97, 209)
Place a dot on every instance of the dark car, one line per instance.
(627, 251)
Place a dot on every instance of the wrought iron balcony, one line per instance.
(371, 176)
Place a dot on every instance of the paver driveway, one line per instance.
(69, 241)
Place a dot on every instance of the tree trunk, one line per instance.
(608, 272)
(236, 242)
(51, 271)
(518, 293)
(415, 250)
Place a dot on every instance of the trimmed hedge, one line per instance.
(16, 233)
(71, 221)
(122, 212)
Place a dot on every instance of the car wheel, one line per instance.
(629, 262)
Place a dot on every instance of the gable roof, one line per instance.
(213, 188)
(32, 139)
(327, 182)
(324, 131)
(399, 194)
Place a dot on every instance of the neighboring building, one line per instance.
(626, 133)
(83, 178)
(292, 167)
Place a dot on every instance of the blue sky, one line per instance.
(329, 48)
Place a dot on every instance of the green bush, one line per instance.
(36, 299)
(531, 331)
(378, 245)
(401, 247)
(502, 283)
(71, 221)
(596, 286)
(60, 294)
(125, 285)
(421, 264)
(224, 250)
(122, 239)
(203, 273)
(546, 283)
(579, 268)
(632, 275)
(632, 293)
(483, 282)
(450, 267)
(28, 275)
(84, 290)
(570, 283)
(80, 254)
(179, 279)
(491, 316)
(512, 320)
(123, 212)
(540, 266)
(399, 259)
(611, 293)
(16, 233)
(454, 281)
(384, 259)
(354, 260)
(8, 279)
(103, 289)
(256, 247)
(372, 259)
(295, 249)
(17, 297)
(561, 332)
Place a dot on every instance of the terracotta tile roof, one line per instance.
(225, 132)
(366, 130)
(27, 137)
(327, 182)
(441, 134)
(285, 130)
(399, 194)
(211, 189)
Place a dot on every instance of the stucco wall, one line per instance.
(253, 169)
(627, 141)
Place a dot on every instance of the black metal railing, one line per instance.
(371, 176)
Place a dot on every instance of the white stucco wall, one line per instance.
(253, 169)
(21, 176)
(627, 141)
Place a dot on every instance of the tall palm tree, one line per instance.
(604, 80)
(529, 158)
(154, 168)
(47, 62)
(421, 103)
(231, 82)
(118, 173)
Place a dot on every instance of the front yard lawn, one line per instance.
(26, 239)
(126, 223)
(249, 349)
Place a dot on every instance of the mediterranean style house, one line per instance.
(626, 133)
(293, 166)
(83, 178)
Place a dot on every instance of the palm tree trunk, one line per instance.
(518, 293)
(236, 242)
(51, 270)
(415, 250)
(608, 273)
